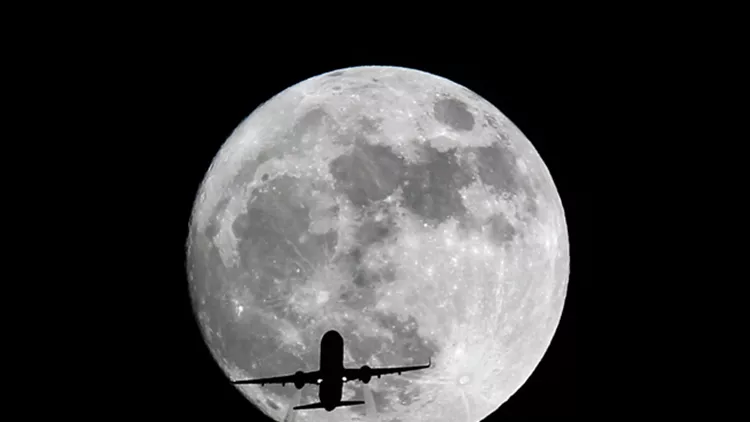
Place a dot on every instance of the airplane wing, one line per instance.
(299, 379)
(322, 406)
(365, 373)
(376, 372)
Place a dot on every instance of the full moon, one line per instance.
(402, 210)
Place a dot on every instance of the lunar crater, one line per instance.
(454, 114)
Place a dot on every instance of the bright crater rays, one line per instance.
(398, 208)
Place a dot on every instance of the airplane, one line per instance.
(331, 376)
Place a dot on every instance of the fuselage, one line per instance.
(332, 369)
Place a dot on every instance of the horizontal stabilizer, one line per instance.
(322, 406)
(349, 403)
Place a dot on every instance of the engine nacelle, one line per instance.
(299, 380)
(365, 374)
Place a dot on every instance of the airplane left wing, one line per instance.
(299, 379)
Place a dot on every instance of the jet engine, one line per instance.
(299, 380)
(365, 374)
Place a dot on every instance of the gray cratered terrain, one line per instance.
(398, 208)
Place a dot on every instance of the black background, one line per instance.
(192, 102)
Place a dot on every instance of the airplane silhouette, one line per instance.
(331, 375)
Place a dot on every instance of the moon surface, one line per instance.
(399, 208)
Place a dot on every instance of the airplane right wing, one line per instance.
(365, 373)
(376, 372)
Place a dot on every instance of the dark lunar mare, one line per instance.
(453, 113)
(271, 228)
(497, 169)
(369, 173)
(429, 187)
(377, 230)
(269, 247)
(497, 227)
